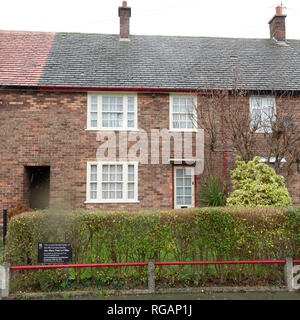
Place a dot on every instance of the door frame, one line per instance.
(174, 166)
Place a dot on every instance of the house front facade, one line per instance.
(84, 117)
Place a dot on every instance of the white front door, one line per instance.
(184, 189)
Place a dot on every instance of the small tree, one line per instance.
(274, 135)
(256, 184)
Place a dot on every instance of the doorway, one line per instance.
(38, 186)
(184, 187)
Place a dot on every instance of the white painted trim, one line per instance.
(177, 95)
(251, 107)
(192, 187)
(86, 129)
(125, 182)
(100, 95)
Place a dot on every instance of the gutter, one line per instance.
(166, 90)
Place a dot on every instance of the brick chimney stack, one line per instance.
(277, 25)
(124, 14)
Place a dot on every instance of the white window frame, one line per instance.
(264, 99)
(272, 161)
(171, 98)
(125, 182)
(192, 205)
(99, 112)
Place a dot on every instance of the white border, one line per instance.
(99, 120)
(192, 187)
(125, 182)
(171, 96)
(251, 99)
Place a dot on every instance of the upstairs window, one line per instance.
(183, 113)
(112, 112)
(263, 113)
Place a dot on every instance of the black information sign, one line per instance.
(54, 253)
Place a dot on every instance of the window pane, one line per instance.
(176, 108)
(188, 191)
(94, 107)
(187, 181)
(179, 182)
(179, 200)
(112, 112)
(130, 116)
(131, 173)
(130, 103)
(176, 101)
(93, 193)
(94, 115)
(119, 195)
(180, 191)
(130, 124)
(188, 201)
(183, 108)
(189, 124)
(94, 99)
(105, 195)
(179, 172)
(130, 190)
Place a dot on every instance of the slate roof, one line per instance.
(162, 62)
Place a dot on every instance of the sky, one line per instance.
(208, 18)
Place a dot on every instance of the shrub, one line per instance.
(212, 194)
(184, 235)
(18, 209)
(256, 184)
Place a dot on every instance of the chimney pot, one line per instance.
(278, 10)
(124, 4)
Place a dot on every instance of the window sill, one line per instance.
(109, 201)
(263, 131)
(184, 130)
(90, 129)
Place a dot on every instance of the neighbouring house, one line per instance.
(60, 91)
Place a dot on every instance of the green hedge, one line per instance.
(184, 235)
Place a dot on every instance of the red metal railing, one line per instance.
(162, 263)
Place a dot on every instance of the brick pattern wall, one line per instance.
(48, 129)
(277, 28)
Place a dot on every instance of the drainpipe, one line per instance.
(224, 141)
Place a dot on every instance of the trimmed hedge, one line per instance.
(184, 235)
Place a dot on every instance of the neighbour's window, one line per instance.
(183, 113)
(112, 182)
(271, 162)
(263, 113)
(112, 112)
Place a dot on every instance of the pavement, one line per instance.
(206, 296)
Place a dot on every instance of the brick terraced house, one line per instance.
(58, 91)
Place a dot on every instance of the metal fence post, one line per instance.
(4, 279)
(288, 273)
(4, 225)
(151, 280)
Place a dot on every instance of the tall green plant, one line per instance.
(212, 194)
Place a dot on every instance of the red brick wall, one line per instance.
(48, 128)
(277, 28)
